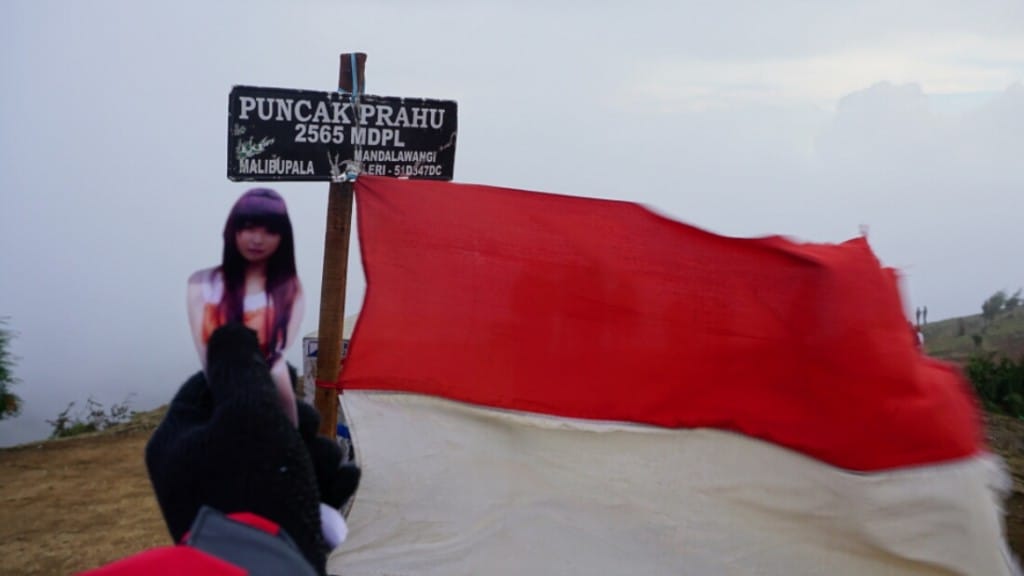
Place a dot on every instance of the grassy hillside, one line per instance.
(957, 339)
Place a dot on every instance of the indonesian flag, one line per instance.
(544, 385)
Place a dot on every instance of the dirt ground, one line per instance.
(74, 504)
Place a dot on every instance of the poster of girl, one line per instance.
(255, 284)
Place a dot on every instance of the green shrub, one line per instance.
(95, 419)
(10, 403)
(999, 382)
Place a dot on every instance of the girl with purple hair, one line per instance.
(255, 284)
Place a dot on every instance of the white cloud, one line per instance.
(944, 65)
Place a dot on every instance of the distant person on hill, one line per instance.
(915, 333)
(256, 284)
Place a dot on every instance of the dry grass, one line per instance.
(953, 339)
(73, 504)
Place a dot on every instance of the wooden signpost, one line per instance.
(335, 275)
(280, 134)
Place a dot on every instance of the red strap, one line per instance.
(249, 519)
(258, 522)
(329, 385)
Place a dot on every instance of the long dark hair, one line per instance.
(261, 207)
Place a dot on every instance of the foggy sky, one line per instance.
(747, 118)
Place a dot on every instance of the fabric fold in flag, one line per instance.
(761, 397)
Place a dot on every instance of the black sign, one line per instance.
(279, 134)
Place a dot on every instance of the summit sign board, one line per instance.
(281, 134)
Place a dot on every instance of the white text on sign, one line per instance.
(304, 110)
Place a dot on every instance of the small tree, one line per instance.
(993, 305)
(10, 403)
(1013, 301)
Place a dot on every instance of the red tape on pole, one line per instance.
(328, 385)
